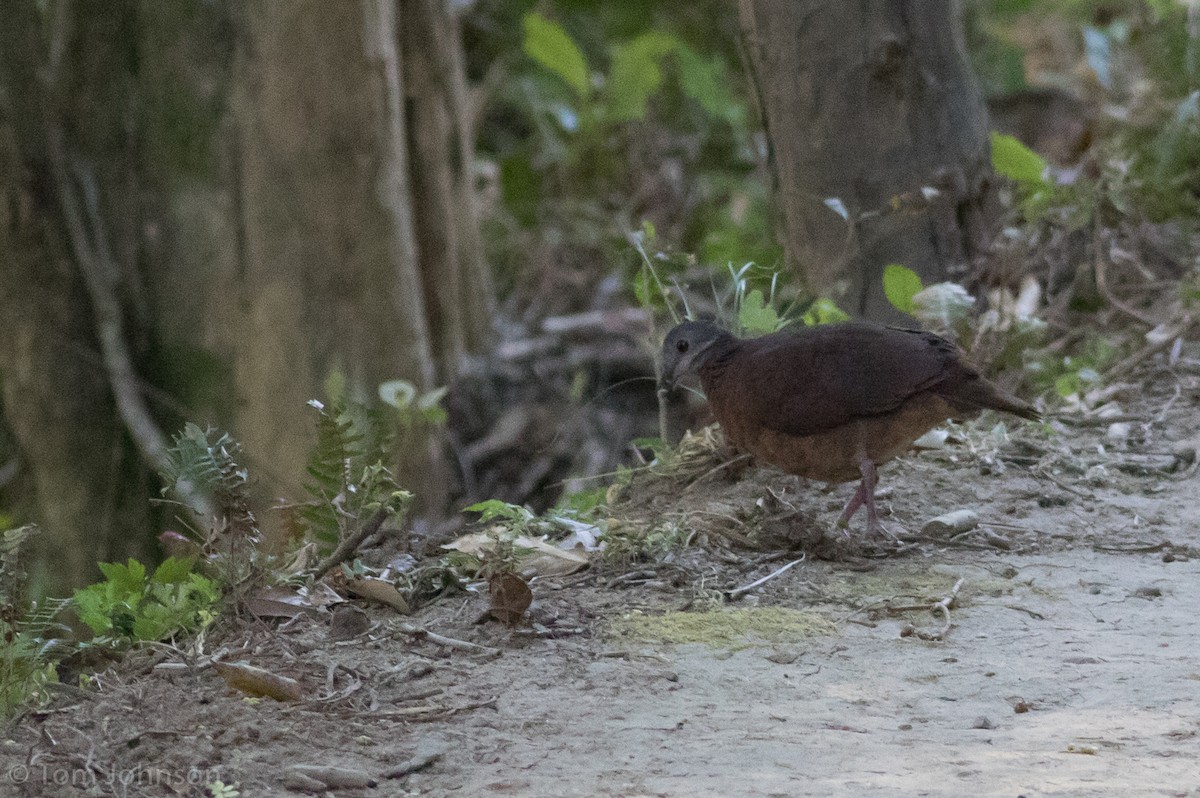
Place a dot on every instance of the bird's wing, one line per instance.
(822, 378)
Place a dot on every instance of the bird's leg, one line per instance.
(870, 478)
(852, 506)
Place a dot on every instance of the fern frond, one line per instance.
(206, 461)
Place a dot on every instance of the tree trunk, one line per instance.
(871, 104)
(288, 187)
(57, 401)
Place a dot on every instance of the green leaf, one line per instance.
(335, 386)
(824, 311)
(642, 289)
(755, 315)
(173, 570)
(1067, 384)
(125, 579)
(1017, 162)
(900, 285)
(92, 608)
(494, 508)
(704, 80)
(520, 188)
(547, 43)
(635, 75)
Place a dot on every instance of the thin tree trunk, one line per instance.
(871, 104)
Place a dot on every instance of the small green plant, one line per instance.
(503, 555)
(26, 642)
(1073, 374)
(348, 478)
(627, 543)
(131, 605)
(204, 466)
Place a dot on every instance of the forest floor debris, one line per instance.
(1060, 625)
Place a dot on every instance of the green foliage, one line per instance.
(569, 132)
(755, 316)
(900, 285)
(1018, 163)
(206, 461)
(1073, 374)
(130, 605)
(413, 407)
(511, 522)
(547, 43)
(824, 311)
(636, 75)
(511, 514)
(348, 478)
(632, 542)
(203, 469)
(757, 300)
(26, 661)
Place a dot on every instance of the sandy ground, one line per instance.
(1071, 666)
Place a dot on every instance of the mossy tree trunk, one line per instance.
(871, 104)
(288, 191)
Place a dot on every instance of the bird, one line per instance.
(832, 402)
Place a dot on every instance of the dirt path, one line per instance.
(1072, 666)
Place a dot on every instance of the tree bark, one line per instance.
(871, 104)
(56, 398)
(288, 187)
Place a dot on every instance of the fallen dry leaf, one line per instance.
(511, 596)
(348, 622)
(540, 559)
(258, 682)
(379, 591)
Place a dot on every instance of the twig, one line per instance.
(1041, 472)
(1100, 264)
(717, 468)
(943, 607)
(1094, 421)
(736, 593)
(448, 642)
(1159, 342)
(345, 550)
(1162, 414)
(452, 711)
(413, 764)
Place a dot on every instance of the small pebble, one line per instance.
(982, 722)
(782, 656)
(1119, 431)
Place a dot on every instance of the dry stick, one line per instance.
(414, 764)
(345, 550)
(448, 642)
(943, 606)
(1161, 342)
(1100, 266)
(738, 592)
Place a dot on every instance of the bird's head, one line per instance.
(685, 348)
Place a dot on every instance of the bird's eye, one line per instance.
(681, 346)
